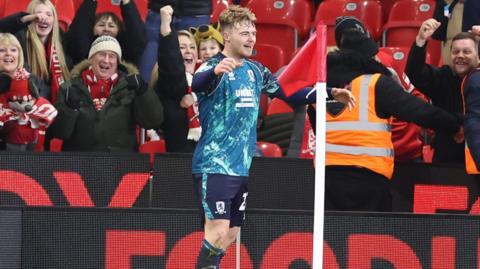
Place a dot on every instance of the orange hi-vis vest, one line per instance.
(470, 165)
(359, 137)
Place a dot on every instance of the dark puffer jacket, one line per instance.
(113, 128)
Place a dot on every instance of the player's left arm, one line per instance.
(305, 95)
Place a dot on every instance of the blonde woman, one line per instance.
(22, 110)
(40, 37)
(177, 59)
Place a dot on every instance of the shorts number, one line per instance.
(244, 203)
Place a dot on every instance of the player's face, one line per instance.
(208, 48)
(464, 56)
(241, 38)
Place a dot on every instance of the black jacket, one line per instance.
(390, 98)
(183, 7)
(171, 86)
(80, 34)
(442, 86)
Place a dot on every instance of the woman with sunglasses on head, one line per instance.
(86, 26)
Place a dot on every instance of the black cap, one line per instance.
(348, 22)
(355, 41)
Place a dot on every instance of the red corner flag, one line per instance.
(308, 66)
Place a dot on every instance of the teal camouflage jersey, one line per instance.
(228, 115)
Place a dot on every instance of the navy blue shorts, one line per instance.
(222, 197)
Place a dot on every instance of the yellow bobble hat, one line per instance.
(206, 32)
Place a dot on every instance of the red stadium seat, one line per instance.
(106, 6)
(2, 7)
(282, 23)
(152, 147)
(142, 6)
(56, 145)
(386, 7)
(399, 57)
(271, 56)
(15, 6)
(297, 14)
(65, 11)
(278, 106)
(269, 149)
(404, 20)
(368, 11)
(217, 7)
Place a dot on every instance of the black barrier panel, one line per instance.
(10, 238)
(140, 238)
(78, 179)
(276, 183)
(403, 240)
(135, 238)
(431, 183)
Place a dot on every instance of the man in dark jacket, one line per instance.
(100, 107)
(359, 153)
(442, 85)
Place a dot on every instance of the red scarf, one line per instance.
(194, 128)
(55, 70)
(99, 88)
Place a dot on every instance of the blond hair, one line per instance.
(36, 54)
(154, 74)
(9, 39)
(189, 36)
(235, 14)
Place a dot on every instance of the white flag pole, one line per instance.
(319, 209)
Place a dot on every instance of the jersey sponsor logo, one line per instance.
(246, 98)
(220, 208)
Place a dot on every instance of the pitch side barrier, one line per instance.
(123, 180)
(53, 237)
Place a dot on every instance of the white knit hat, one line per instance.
(105, 42)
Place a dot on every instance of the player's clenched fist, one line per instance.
(226, 65)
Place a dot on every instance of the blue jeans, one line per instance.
(185, 22)
(149, 57)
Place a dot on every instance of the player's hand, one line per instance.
(344, 96)
(226, 65)
(426, 30)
